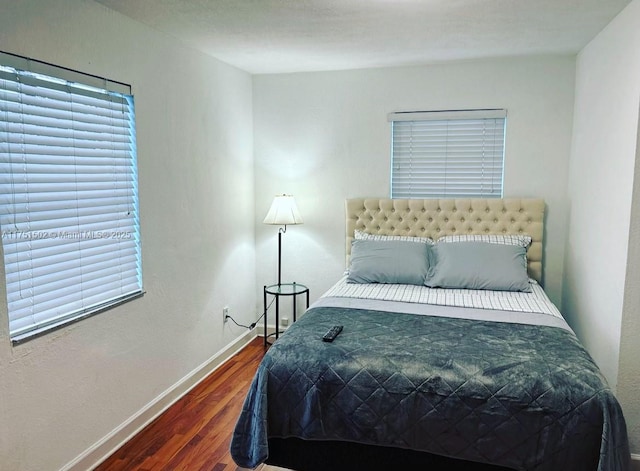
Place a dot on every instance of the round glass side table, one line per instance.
(283, 289)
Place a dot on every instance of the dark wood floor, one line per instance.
(194, 434)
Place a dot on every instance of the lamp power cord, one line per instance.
(253, 325)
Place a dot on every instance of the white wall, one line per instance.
(629, 366)
(601, 183)
(62, 393)
(324, 137)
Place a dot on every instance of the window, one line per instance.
(454, 154)
(68, 200)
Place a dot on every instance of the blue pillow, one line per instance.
(376, 261)
(479, 265)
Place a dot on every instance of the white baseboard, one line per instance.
(635, 462)
(105, 447)
(271, 329)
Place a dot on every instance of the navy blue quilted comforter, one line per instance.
(520, 396)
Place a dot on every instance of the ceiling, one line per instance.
(277, 36)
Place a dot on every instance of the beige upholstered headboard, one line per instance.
(439, 217)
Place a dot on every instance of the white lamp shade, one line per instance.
(283, 211)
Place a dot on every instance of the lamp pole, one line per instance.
(280, 232)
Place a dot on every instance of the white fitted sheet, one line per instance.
(501, 306)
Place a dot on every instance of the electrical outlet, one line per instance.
(225, 313)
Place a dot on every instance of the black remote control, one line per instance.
(332, 333)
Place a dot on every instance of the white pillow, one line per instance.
(361, 235)
(521, 240)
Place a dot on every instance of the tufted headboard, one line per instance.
(439, 217)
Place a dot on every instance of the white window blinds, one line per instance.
(68, 200)
(454, 154)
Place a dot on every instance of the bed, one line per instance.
(438, 366)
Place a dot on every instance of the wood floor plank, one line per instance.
(195, 432)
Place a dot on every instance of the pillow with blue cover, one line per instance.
(479, 265)
(388, 261)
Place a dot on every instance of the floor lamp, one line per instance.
(283, 212)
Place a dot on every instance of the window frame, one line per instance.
(448, 154)
(109, 149)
